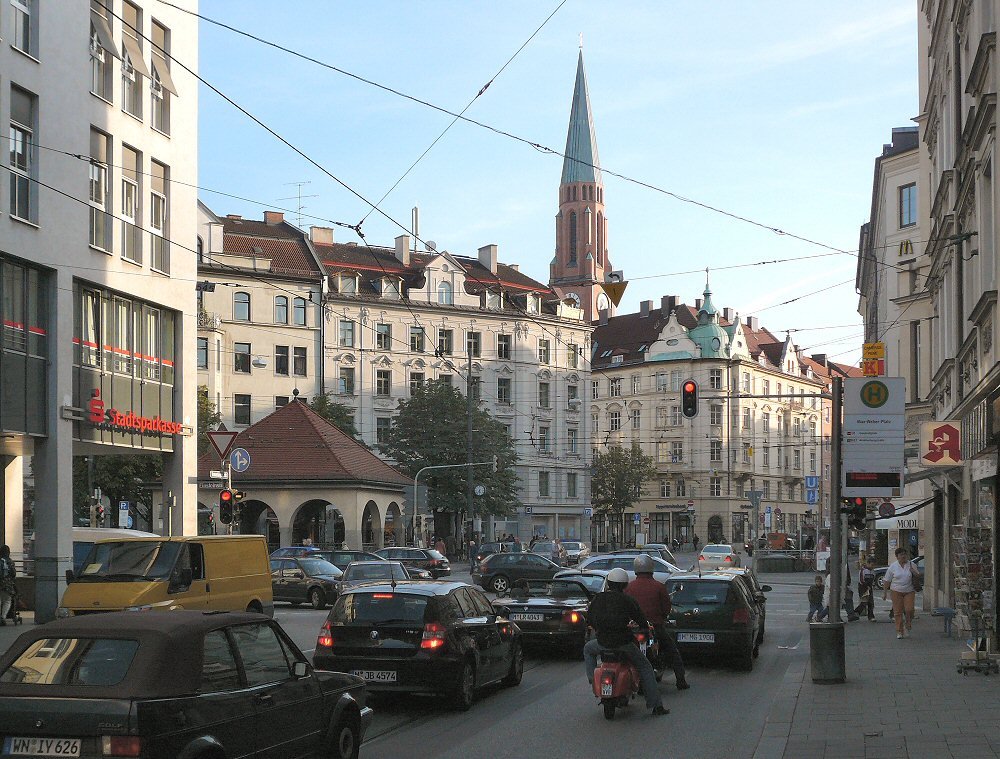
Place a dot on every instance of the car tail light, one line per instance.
(741, 616)
(729, 558)
(573, 617)
(382, 595)
(121, 745)
(325, 639)
(433, 637)
(640, 637)
(607, 678)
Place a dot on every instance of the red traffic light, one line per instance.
(857, 501)
(689, 387)
(689, 398)
(225, 496)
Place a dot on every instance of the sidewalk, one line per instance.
(903, 699)
(8, 633)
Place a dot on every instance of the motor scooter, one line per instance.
(616, 680)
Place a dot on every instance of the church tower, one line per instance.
(581, 258)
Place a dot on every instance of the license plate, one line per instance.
(41, 746)
(527, 617)
(696, 637)
(643, 646)
(606, 689)
(376, 675)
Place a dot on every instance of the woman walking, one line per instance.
(901, 580)
(8, 589)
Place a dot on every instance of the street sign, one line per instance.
(812, 482)
(812, 496)
(873, 430)
(777, 511)
(636, 518)
(873, 350)
(527, 509)
(690, 503)
(873, 367)
(217, 474)
(128, 523)
(588, 512)
(755, 496)
(123, 520)
(645, 520)
(767, 509)
(886, 510)
(239, 460)
(222, 441)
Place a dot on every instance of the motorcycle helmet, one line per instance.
(618, 576)
(643, 564)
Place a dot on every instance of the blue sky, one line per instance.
(772, 111)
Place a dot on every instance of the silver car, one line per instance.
(718, 556)
(607, 562)
(576, 551)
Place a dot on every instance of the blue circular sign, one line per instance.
(129, 522)
(239, 460)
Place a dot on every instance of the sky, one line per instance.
(773, 112)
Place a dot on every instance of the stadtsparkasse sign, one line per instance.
(112, 419)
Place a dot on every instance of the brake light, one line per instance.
(701, 558)
(572, 617)
(121, 745)
(608, 678)
(741, 616)
(382, 595)
(325, 639)
(640, 637)
(433, 637)
(729, 558)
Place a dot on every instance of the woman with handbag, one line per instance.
(902, 580)
(8, 588)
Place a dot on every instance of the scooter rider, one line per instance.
(609, 614)
(654, 600)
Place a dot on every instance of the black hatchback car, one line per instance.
(439, 638)
(305, 579)
(433, 561)
(177, 684)
(499, 571)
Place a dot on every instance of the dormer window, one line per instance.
(445, 295)
(493, 300)
(390, 288)
(348, 284)
(532, 304)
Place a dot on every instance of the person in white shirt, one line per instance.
(900, 579)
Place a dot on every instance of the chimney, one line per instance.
(728, 314)
(272, 218)
(644, 308)
(403, 249)
(515, 267)
(753, 323)
(488, 257)
(667, 304)
(234, 216)
(321, 235)
(819, 358)
(602, 317)
(697, 304)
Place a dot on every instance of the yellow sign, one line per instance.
(615, 290)
(873, 367)
(873, 350)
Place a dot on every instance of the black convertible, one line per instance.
(179, 684)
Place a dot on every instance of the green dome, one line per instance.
(709, 334)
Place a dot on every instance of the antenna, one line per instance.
(298, 198)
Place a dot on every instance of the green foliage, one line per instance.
(208, 419)
(341, 416)
(617, 477)
(120, 478)
(430, 430)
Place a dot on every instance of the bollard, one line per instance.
(826, 652)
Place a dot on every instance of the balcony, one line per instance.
(209, 320)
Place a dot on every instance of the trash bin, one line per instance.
(826, 652)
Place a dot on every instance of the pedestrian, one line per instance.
(815, 595)
(473, 550)
(902, 581)
(848, 604)
(695, 542)
(440, 547)
(557, 552)
(866, 590)
(8, 588)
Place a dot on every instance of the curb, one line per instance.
(778, 725)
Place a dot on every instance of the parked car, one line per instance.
(716, 613)
(576, 551)
(173, 685)
(664, 551)
(499, 571)
(626, 561)
(293, 552)
(717, 556)
(433, 561)
(341, 557)
(547, 549)
(487, 549)
(757, 591)
(918, 564)
(656, 552)
(439, 638)
(551, 612)
(359, 572)
(305, 579)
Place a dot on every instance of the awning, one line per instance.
(103, 30)
(163, 74)
(135, 55)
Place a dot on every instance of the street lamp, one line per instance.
(691, 519)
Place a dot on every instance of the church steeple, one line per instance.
(581, 256)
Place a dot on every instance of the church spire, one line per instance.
(580, 162)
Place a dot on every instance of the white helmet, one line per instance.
(618, 576)
(643, 564)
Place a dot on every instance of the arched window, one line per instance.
(300, 312)
(444, 294)
(281, 310)
(573, 239)
(241, 306)
(600, 238)
(201, 250)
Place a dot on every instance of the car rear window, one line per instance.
(73, 661)
(717, 549)
(698, 592)
(435, 554)
(369, 607)
(381, 571)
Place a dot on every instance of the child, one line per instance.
(866, 589)
(816, 600)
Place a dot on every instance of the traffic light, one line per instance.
(226, 507)
(99, 513)
(689, 398)
(856, 511)
(496, 463)
(238, 495)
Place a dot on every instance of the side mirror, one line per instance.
(70, 576)
(766, 588)
(300, 669)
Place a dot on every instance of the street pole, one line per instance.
(470, 503)
(420, 471)
(836, 518)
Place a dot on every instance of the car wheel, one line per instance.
(317, 599)
(609, 709)
(346, 739)
(500, 584)
(465, 692)
(254, 607)
(516, 668)
(878, 581)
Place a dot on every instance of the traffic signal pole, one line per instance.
(836, 517)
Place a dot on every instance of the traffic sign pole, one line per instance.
(836, 518)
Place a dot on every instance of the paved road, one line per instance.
(552, 710)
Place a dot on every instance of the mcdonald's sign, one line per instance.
(905, 249)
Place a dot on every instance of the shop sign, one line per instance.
(941, 443)
(112, 419)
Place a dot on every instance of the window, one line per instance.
(572, 229)
(346, 333)
(24, 27)
(131, 232)
(595, 389)
(746, 453)
(279, 401)
(473, 344)
(544, 399)
(675, 416)
(676, 452)
(716, 415)
(572, 394)
(595, 423)
(416, 381)
(662, 382)
(280, 309)
(572, 440)
(664, 488)
(348, 284)
(767, 457)
(417, 339)
(159, 255)
(160, 82)
(446, 342)
(715, 486)
(680, 487)
(636, 416)
(797, 459)
(765, 421)
(543, 351)
(102, 49)
(100, 192)
(715, 379)
(22, 154)
(572, 356)
(675, 380)
(543, 484)
(281, 360)
(767, 488)
(219, 672)
(544, 440)
(615, 387)
(241, 306)
(445, 297)
(445, 379)
(662, 452)
(383, 383)
(614, 420)
(503, 390)
(636, 384)
(812, 462)
(390, 289)
(503, 347)
(571, 485)
(908, 205)
(241, 358)
(202, 352)
(746, 382)
(241, 408)
(735, 419)
(133, 65)
(346, 381)
(747, 419)
(715, 450)
(299, 362)
(299, 312)
(265, 660)
(765, 387)
(383, 337)
(383, 424)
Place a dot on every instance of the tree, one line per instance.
(208, 419)
(617, 477)
(120, 478)
(430, 430)
(339, 415)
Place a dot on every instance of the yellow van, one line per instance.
(211, 572)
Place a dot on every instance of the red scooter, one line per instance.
(616, 680)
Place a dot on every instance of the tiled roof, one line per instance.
(296, 444)
(282, 243)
